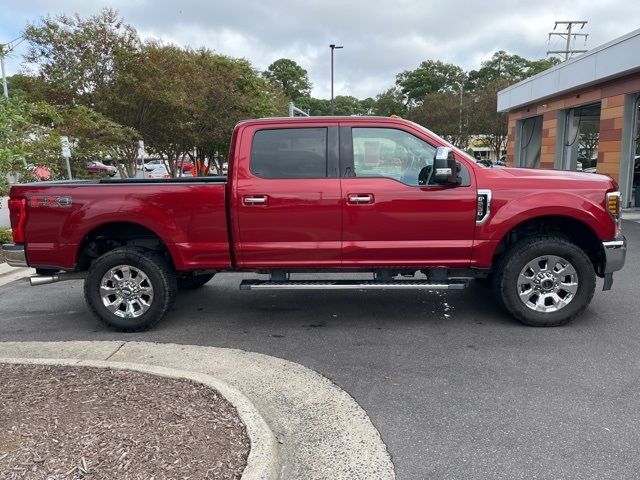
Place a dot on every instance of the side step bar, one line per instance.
(350, 285)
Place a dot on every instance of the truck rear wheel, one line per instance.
(130, 289)
(545, 281)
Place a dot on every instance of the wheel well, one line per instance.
(573, 230)
(113, 235)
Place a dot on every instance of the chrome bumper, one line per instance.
(615, 252)
(15, 255)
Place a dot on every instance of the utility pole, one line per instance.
(332, 47)
(567, 34)
(6, 48)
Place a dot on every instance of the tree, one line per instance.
(390, 102)
(225, 91)
(80, 56)
(347, 105)
(505, 67)
(538, 66)
(290, 77)
(431, 76)
(27, 138)
(440, 112)
(485, 121)
(94, 136)
(367, 106)
(314, 106)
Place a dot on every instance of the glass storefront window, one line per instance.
(582, 136)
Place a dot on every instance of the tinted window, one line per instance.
(390, 153)
(290, 153)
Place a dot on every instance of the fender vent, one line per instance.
(483, 208)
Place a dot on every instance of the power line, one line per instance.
(567, 35)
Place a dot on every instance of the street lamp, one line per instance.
(460, 126)
(332, 47)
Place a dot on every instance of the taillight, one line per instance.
(18, 218)
(613, 204)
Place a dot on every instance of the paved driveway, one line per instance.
(455, 386)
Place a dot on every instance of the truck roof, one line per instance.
(334, 118)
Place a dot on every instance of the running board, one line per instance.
(350, 285)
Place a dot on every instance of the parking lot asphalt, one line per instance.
(456, 387)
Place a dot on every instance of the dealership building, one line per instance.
(583, 114)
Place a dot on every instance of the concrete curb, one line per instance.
(262, 461)
(321, 431)
(9, 274)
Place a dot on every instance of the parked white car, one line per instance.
(156, 171)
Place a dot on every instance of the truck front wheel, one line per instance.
(545, 281)
(130, 289)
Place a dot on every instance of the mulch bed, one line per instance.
(77, 422)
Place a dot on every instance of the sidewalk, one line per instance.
(320, 431)
(9, 274)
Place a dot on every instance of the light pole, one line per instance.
(332, 47)
(460, 125)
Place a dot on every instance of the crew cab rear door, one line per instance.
(287, 196)
(392, 217)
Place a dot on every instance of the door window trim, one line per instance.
(347, 161)
(332, 152)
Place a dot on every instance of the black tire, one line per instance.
(509, 268)
(159, 273)
(192, 282)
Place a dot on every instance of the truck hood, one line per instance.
(577, 179)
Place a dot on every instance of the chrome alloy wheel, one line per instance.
(547, 283)
(126, 291)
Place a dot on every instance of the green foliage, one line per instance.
(440, 112)
(504, 67)
(485, 121)
(80, 56)
(290, 77)
(347, 105)
(314, 106)
(430, 77)
(390, 102)
(5, 235)
(27, 138)
(95, 136)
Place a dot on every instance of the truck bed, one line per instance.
(188, 214)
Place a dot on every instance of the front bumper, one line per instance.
(15, 255)
(615, 252)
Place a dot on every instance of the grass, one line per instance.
(5, 235)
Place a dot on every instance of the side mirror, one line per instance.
(445, 167)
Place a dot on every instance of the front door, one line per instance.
(393, 213)
(288, 197)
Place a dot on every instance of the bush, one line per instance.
(5, 235)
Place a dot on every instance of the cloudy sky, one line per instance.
(380, 38)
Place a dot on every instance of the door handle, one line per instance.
(255, 200)
(361, 198)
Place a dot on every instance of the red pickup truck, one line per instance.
(383, 196)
